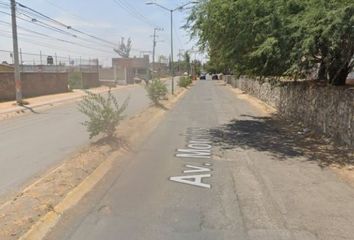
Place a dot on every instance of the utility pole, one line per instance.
(154, 41)
(56, 63)
(153, 50)
(172, 68)
(21, 60)
(16, 57)
(179, 8)
(40, 55)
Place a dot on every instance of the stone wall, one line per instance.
(33, 84)
(327, 109)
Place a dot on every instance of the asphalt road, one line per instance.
(214, 169)
(30, 144)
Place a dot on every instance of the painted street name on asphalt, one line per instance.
(198, 147)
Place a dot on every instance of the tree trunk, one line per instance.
(322, 72)
(338, 77)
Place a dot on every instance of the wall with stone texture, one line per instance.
(327, 109)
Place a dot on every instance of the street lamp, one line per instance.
(179, 8)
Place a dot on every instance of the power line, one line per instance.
(44, 25)
(43, 15)
(65, 10)
(33, 16)
(61, 40)
(45, 45)
(134, 12)
(43, 54)
(37, 13)
(54, 38)
(35, 21)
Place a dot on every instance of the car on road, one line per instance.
(214, 77)
(202, 76)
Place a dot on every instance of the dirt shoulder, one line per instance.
(38, 207)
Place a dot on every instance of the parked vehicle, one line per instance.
(215, 77)
(202, 76)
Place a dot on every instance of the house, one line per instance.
(160, 69)
(127, 69)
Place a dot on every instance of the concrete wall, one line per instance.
(106, 74)
(33, 84)
(90, 80)
(7, 86)
(108, 83)
(327, 109)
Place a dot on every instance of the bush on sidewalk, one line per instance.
(156, 90)
(75, 80)
(184, 82)
(104, 113)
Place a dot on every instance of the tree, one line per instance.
(124, 48)
(330, 44)
(187, 61)
(197, 67)
(277, 37)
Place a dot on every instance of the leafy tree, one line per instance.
(187, 61)
(197, 67)
(277, 37)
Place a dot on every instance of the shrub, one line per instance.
(156, 90)
(104, 113)
(184, 82)
(75, 80)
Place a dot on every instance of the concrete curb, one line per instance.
(30, 108)
(46, 223)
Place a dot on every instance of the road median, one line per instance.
(35, 210)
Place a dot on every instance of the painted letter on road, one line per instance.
(195, 180)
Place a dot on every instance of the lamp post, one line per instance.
(171, 13)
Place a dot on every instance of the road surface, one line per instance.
(216, 169)
(30, 144)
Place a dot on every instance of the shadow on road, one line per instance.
(280, 138)
(30, 109)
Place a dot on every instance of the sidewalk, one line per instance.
(10, 109)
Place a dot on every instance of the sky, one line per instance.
(107, 19)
